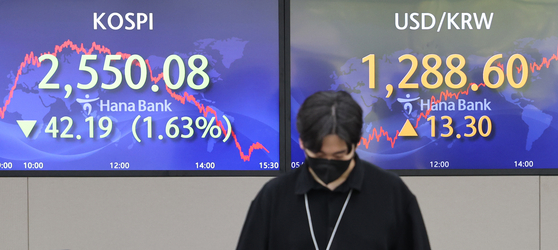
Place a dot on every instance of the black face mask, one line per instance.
(328, 170)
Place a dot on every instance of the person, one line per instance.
(334, 200)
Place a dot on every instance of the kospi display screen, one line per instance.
(444, 85)
(139, 85)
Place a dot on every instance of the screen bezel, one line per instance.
(440, 172)
(283, 99)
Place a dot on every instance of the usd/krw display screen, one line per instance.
(443, 84)
(139, 85)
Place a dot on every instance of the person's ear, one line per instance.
(353, 150)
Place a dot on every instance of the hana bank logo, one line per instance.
(407, 106)
(86, 104)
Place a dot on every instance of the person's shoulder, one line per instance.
(375, 172)
(281, 183)
(385, 178)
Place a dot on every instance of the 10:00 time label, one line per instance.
(33, 165)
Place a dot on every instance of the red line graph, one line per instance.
(31, 59)
(205, 110)
(445, 95)
(545, 62)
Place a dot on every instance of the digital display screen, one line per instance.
(443, 84)
(139, 85)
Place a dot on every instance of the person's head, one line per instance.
(333, 116)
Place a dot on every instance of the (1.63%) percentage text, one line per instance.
(172, 130)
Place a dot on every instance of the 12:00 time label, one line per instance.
(439, 164)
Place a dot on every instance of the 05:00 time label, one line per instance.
(6, 165)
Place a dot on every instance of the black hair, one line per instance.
(329, 112)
